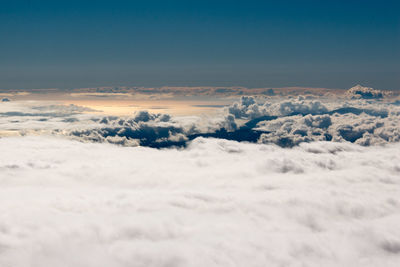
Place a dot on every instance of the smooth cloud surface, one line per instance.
(215, 203)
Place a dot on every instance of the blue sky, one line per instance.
(66, 44)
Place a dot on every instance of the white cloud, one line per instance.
(216, 203)
(283, 121)
(362, 129)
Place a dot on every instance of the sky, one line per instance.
(72, 44)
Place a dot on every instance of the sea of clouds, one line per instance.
(363, 115)
(294, 181)
(215, 203)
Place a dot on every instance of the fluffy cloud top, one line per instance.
(359, 91)
(329, 200)
(290, 122)
(215, 203)
(283, 121)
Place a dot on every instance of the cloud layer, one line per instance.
(285, 122)
(361, 116)
(215, 203)
(311, 182)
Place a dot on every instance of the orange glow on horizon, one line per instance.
(128, 107)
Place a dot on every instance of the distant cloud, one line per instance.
(49, 111)
(285, 121)
(359, 91)
(171, 91)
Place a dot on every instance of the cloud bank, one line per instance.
(361, 117)
(286, 122)
(266, 181)
(359, 91)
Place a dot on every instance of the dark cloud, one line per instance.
(28, 114)
(209, 106)
(359, 91)
(268, 92)
(49, 111)
(155, 130)
(224, 90)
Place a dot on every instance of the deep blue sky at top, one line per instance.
(67, 44)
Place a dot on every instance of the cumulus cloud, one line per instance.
(283, 121)
(154, 130)
(202, 200)
(359, 91)
(290, 122)
(292, 130)
(363, 129)
(248, 108)
(215, 203)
